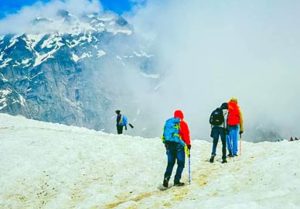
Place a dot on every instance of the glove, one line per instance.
(241, 132)
(189, 146)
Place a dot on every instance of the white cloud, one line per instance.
(21, 21)
(215, 50)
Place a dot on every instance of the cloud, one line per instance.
(21, 22)
(211, 51)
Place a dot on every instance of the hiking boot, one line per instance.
(166, 182)
(224, 161)
(291, 139)
(229, 155)
(212, 159)
(296, 138)
(178, 183)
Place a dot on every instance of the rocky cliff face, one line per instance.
(62, 73)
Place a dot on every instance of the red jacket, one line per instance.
(184, 131)
(234, 115)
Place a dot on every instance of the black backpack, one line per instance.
(216, 117)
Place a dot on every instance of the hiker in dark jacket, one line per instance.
(218, 128)
(120, 122)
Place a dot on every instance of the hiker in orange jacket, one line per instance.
(234, 126)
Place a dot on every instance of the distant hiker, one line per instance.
(175, 137)
(121, 122)
(295, 139)
(234, 126)
(218, 128)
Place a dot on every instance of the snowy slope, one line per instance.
(47, 165)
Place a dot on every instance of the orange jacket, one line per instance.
(184, 131)
(234, 115)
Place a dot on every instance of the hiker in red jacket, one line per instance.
(175, 137)
(234, 126)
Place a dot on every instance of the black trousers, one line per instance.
(120, 129)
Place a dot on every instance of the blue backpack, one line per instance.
(123, 121)
(171, 131)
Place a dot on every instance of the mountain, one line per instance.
(62, 70)
(46, 165)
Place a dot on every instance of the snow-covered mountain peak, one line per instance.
(47, 36)
(66, 22)
(43, 72)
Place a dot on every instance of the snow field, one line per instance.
(47, 165)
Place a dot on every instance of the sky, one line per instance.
(118, 6)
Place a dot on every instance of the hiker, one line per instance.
(234, 127)
(175, 137)
(291, 139)
(218, 128)
(121, 122)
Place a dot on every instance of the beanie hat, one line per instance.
(224, 105)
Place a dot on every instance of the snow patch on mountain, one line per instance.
(6, 62)
(142, 54)
(34, 39)
(155, 76)
(3, 95)
(100, 53)
(1, 56)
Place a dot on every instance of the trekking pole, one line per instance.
(240, 144)
(189, 156)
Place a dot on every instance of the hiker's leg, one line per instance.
(120, 129)
(215, 135)
(223, 139)
(234, 135)
(229, 143)
(180, 162)
(171, 154)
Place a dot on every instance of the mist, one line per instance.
(211, 51)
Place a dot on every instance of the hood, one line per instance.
(178, 114)
(233, 99)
